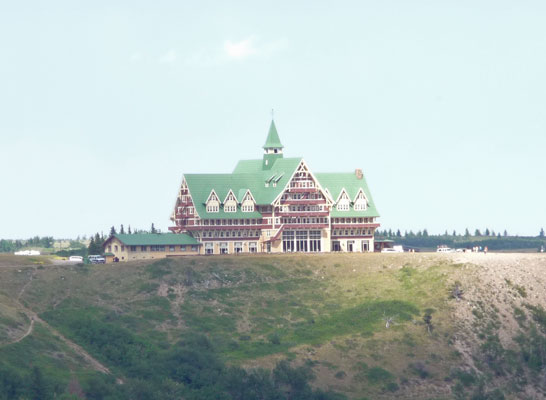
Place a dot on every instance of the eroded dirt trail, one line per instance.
(34, 318)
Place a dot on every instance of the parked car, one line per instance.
(75, 258)
(96, 259)
(444, 250)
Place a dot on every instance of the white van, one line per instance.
(75, 258)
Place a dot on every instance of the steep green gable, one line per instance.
(336, 182)
(273, 141)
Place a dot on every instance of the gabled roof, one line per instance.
(336, 182)
(273, 141)
(248, 175)
(146, 239)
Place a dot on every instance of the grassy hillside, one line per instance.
(207, 327)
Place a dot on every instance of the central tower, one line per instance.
(272, 147)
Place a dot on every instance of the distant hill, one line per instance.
(328, 326)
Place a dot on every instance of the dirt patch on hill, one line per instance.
(499, 290)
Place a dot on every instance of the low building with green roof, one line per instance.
(146, 246)
(276, 204)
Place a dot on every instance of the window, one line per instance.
(238, 247)
(213, 204)
(360, 202)
(252, 247)
(182, 248)
(143, 248)
(230, 208)
(224, 248)
(194, 248)
(133, 248)
(171, 248)
(314, 241)
(343, 203)
(115, 248)
(213, 208)
(209, 248)
(122, 248)
(247, 207)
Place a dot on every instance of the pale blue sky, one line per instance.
(104, 104)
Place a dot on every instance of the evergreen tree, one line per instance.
(541, 234)
(505, 233)
(466, 232)
(129, 230)
(498, 235)
(95, 246)
(112, 231)
(492, 232)
(390, 233)
(91, 247)
(398, 233)
(445, 233)
(121, 230)
(153, 230)
(487, 232)
(419, 234)
(454, 233)
(425, 233)
(477, 232)
(406, 233)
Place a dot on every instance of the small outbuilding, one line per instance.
(142, 246)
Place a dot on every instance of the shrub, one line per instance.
(378, 374)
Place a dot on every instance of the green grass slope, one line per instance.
(363, 326)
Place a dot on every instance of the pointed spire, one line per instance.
(273, 141)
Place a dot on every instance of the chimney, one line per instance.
(358, 173)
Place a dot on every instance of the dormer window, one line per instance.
(247, 204)
(361, 203)
(343, 202)
(230, 203)
(213, 204)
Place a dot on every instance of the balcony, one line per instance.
(303, 201)
(303, 213)
(302, 189)
(230, 227)
(305, 226)
(354, 226)
(185, 203)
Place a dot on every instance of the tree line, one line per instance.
(8, 245)
(493, 240)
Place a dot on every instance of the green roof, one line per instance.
(144, 239)
(266, 179)
(273, 141)
(248, 175)
(336, 182)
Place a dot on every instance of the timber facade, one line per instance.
(276, 205)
